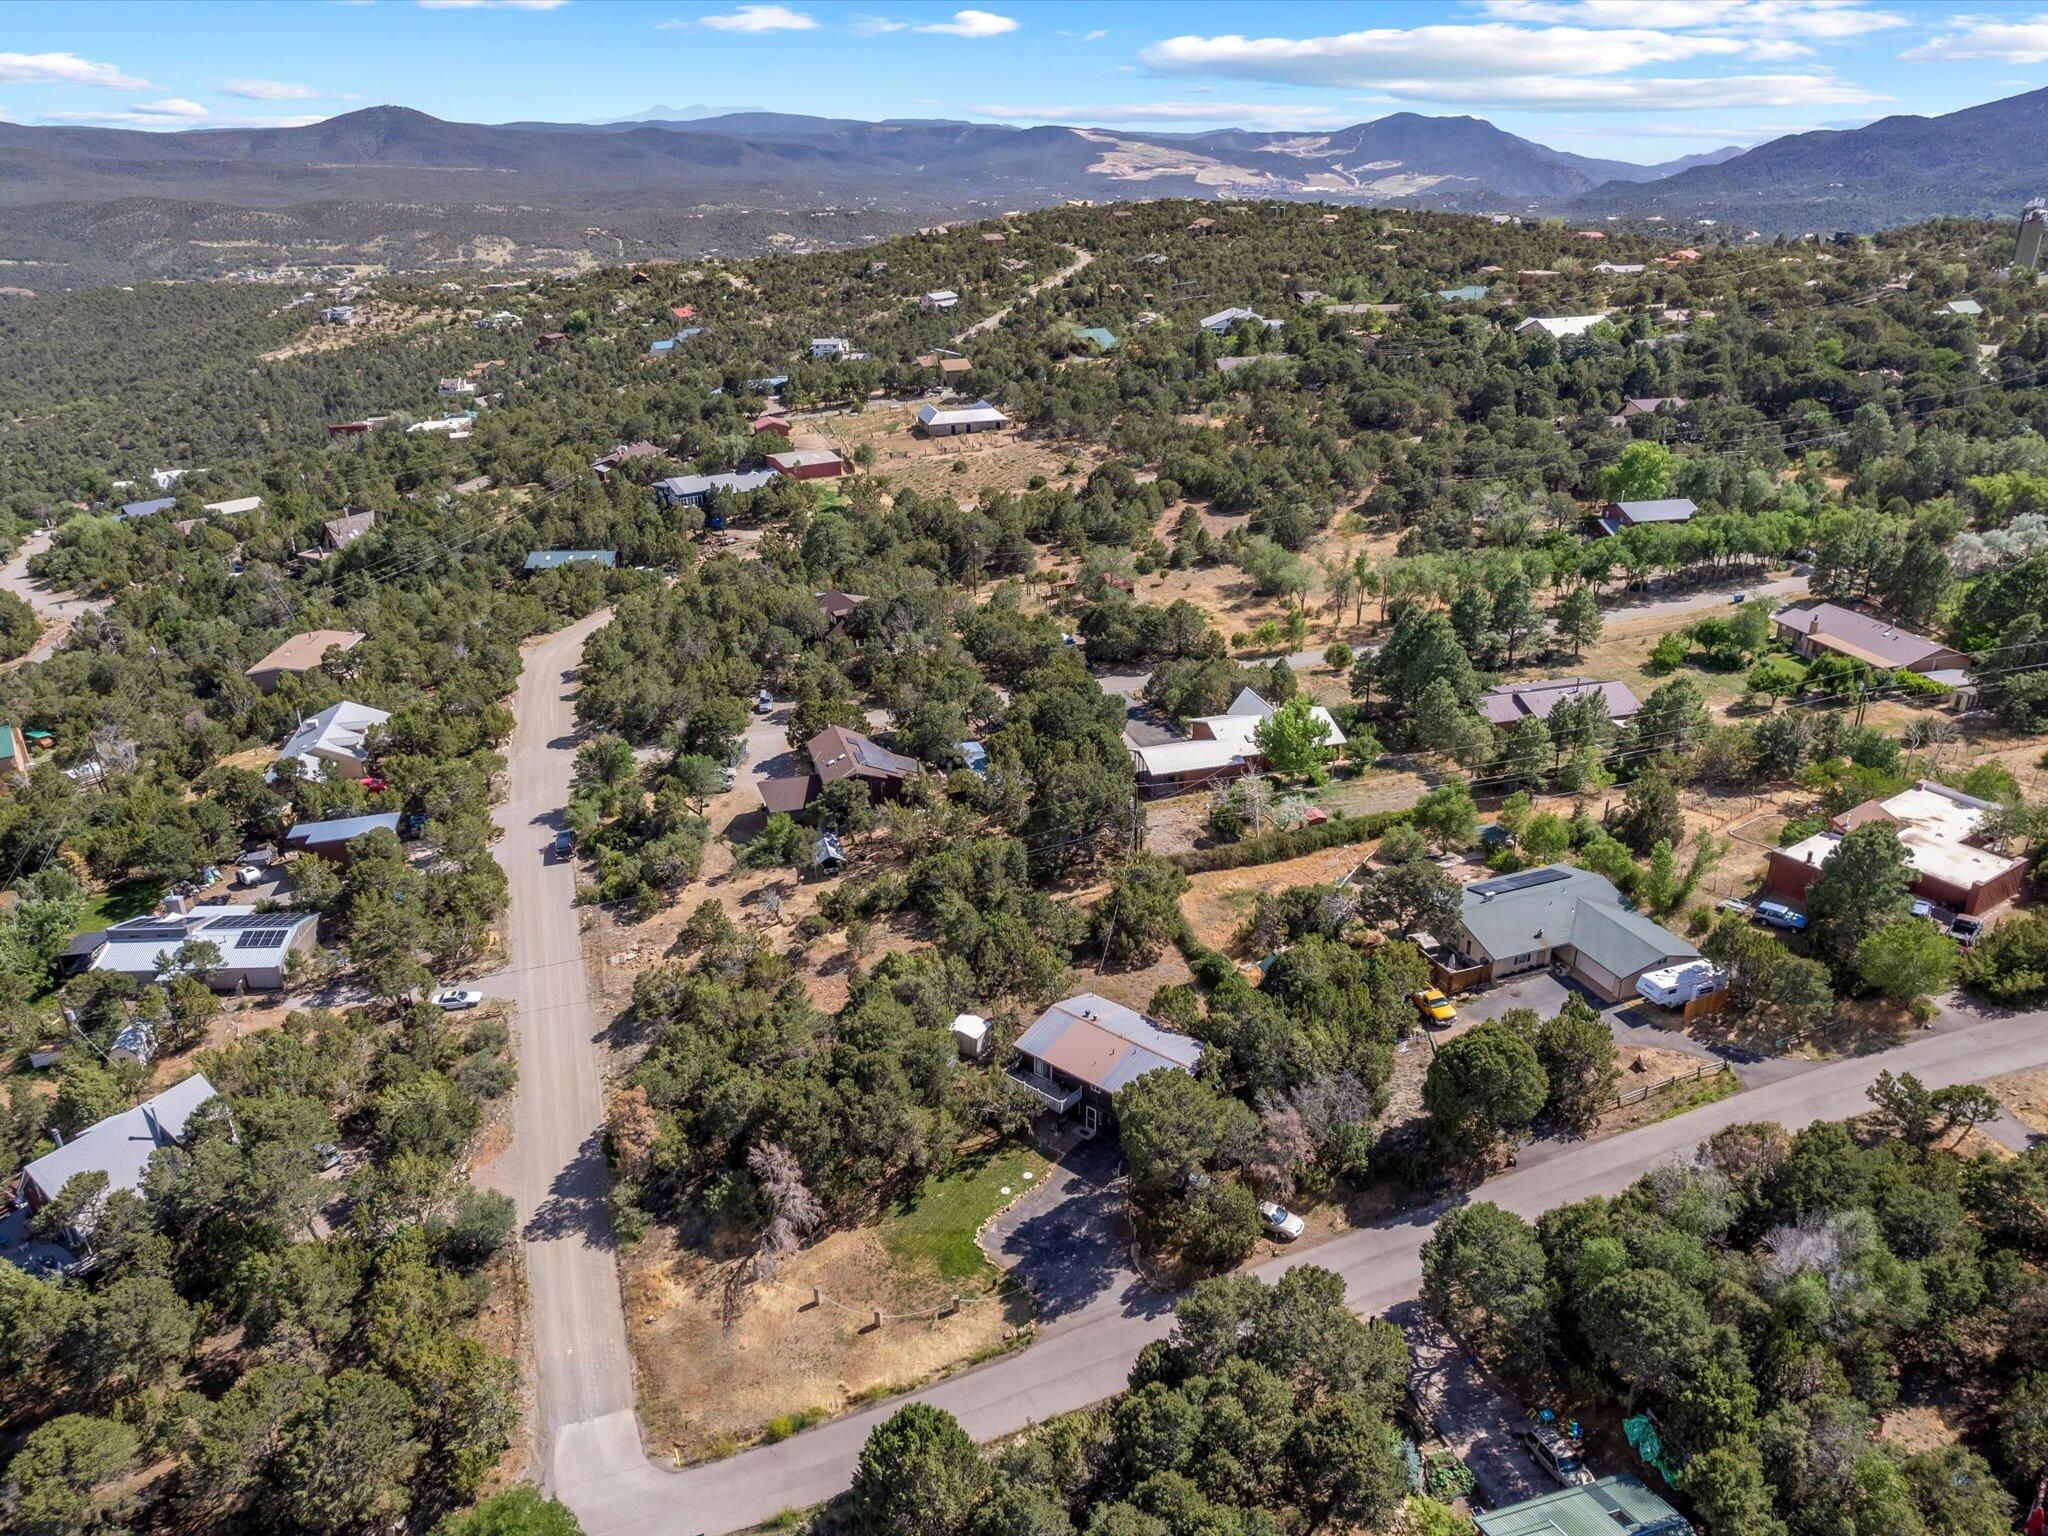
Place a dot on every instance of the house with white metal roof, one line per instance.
(950, 421)
(1079, 1052)
(1216, 748)
(336, 738)
(254, 945)
(1560, 326)
(119, 1146)
(692, 490)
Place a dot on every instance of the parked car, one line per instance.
(1434, 1006)
(327, 1155)
(764, 704)
(455, 999)
(1966, 931)
(565, 843)
(1279, 1221)
(1736, 905)
(1557, 1453)
(1923, 908)
(1778, 915)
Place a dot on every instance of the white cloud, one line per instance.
(2023, 40)
(1498, 64)
(1094, 36)
(171, 112)
(761, 18)
(1829, 19)
(1263, 115)
(273, 90)
(63, 69)
(875, 26)
(970, 24)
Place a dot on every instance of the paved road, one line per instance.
(598, 1468)
(555, 1167)
(56, 609)
(990, 322)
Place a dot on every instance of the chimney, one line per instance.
(1813, 622)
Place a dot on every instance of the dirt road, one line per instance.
(990, 322)
(56, 609)
(554, 1167)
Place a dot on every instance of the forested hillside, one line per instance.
(1360, 460)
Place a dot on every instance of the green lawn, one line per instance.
(121, 901)
(938, 1222)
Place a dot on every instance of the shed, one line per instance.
(970, 1036)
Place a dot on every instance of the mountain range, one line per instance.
(395, 187)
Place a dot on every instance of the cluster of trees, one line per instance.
(1773, 1301)
(329, 1380)
(1267, 1408)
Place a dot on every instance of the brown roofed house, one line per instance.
(301, 654)
(1813, 627)
(839, 753)
(837, 606)
(1511, 703)
(343, 531)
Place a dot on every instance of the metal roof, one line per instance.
(1856, 634)
(340, 829)
(1613, 1506)
(550, 559)
(1104, 1044)
(121, 1146)
(1665, 509)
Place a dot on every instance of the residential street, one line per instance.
(554, 1167)
(1085, 1356)
(990, 322)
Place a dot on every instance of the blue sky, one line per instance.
(1642, 80)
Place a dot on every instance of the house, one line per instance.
(555, 559)
(135, 509)
(839, 753)
(233, 508)
(455, 387)
(119, 1146)
(693, 490)
(1471, 293)
(1220, 322)
(1962, 307)
(330, 839)
(946, 367)
(1560, 326)
(1685, 254)
(338, 314)
(937, 299)
(504, 319)
(340, 532)
(1943, 833)
(769, 422)
(1100, 339)
(951, 421)
(1618, 515)
(991, 239)
(337, 737)
(1532, 275)
(13, 752)
(683, 311)
(1619, 268)
(1589, 234)
(837, 607)
(1512, 703)
(823, 347)
(1079, 1052)
(1813, 627)
(340, 429)
(547, 339)
(1612, 1506)
(253, 945)
(301, 654)
(769, 385)
(457, 427)
(1202, 226)
(1153, 259)
(808, 464)
(1649, 405)
(1564, 917)
(1217, 747)
(970, 1036)
(622, 453)
(662, 348)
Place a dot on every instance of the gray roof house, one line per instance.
(691, 490)
(1079, 1052)
(254, 945)
(1633, 514)
(555, 559)
(1813, 627)
(119, 1146)
(331, 838)
(1613, 1506)
(1564, 916)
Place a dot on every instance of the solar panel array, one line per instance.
(262, 938)
(1521, 881)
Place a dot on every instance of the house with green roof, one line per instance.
(1100, 339)
(1564, 916)
(1471, 293)
(1613, 1506)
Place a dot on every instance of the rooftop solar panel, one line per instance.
(262, 938)
(1521, 881)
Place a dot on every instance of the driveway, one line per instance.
(1539, 990)
(57, 610)
(1069, 1240)
(1465, 1404)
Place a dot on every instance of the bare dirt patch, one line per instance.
(961, 467)
(720, 1362)
(1217, 902)
(2025, 1097)
(372, 319)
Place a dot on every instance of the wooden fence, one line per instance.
(1637, 1095)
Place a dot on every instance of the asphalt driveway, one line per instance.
(1069, 1239)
